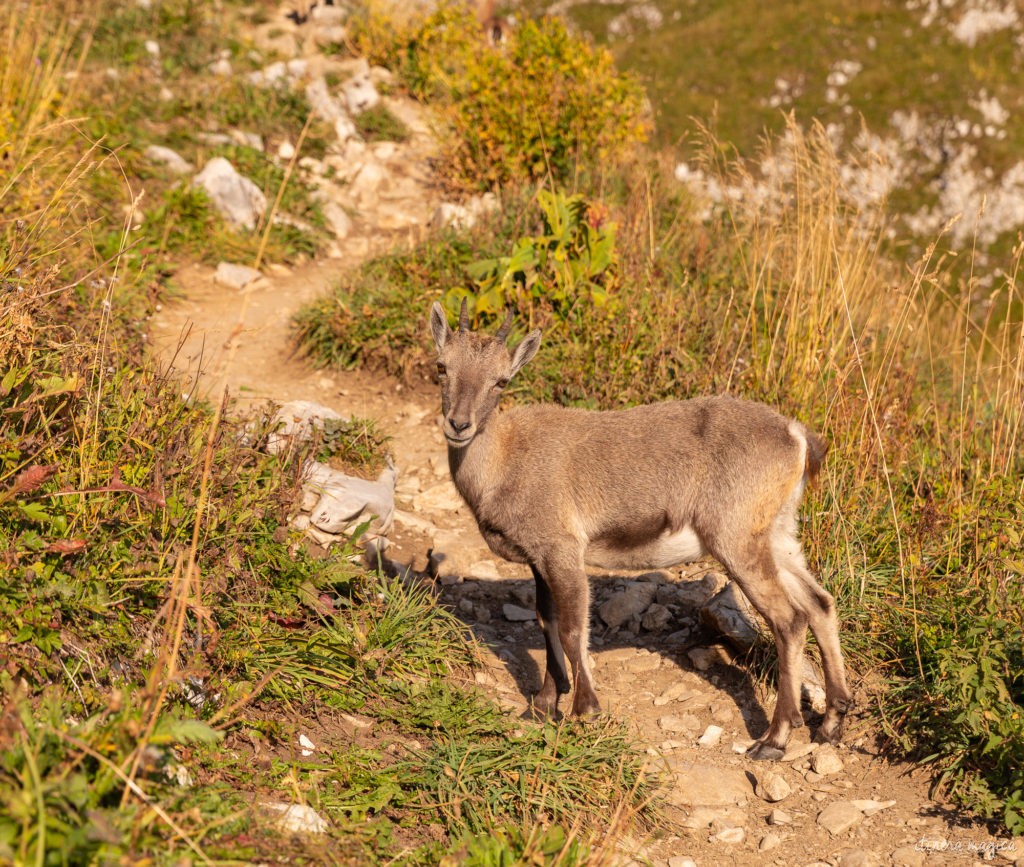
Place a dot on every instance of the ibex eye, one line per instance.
(441, 369)
(501, 383)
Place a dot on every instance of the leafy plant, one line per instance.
(572, 261)
(544, 104)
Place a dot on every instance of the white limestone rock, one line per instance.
(235, 197)
(347, 501)
(298, 421)
(296, 818)
(359, 91)
(174, 162)
(235, 276)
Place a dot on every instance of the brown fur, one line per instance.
(646, 487)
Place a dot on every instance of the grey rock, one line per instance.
(235, 276)
(337, 219)
(656, 618)
(714, 819)
(858, 858)
(772, 788)
(677, 692)
(295, 818)
(347, 501)
(517, 614)
(825, 760)
(298, 421)
(870, 807)
(730, 835)
(730, 613)
(627, 604)
(235, 197)
(442, 497)
(700, 785)
(687, 723)
(171, 160)
(712, 735)
(452, 555)
(812, 686)
(909, 856)
(359, 91)
(705, 658)
(840, 817)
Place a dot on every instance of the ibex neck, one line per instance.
(470, 466)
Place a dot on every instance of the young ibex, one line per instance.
(648, 487)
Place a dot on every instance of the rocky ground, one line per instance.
(658, 662)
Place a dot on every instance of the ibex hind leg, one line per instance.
(759, 578)
(821, 611)
(556, 677)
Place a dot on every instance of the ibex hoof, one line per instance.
(831, 735)
(762, 752)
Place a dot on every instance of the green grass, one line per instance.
(165, 637)
(796, 304)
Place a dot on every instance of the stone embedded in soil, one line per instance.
(714, 819)
(676, 692)
(235, 276)
(235, 197)
(870, 807)
(296, 818)
(909, 856)
(631, 602)
(825, 761)
(439, 498)
(171, 160)
(772, 788)
(704, 658)
(858, 858)
(769, 841)
(656, 618)
(840, 817)
(687, 723)
(730, 835)
(700, 785)
(517, 614)
(798, 751)
(681, 861)
(712, 735)
(779, 817)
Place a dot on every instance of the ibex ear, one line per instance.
(439, 326)
(525, 351)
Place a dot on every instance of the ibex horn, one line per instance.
(505, 326)
(463, 317)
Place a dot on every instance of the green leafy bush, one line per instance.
(572, 261)
(543, 104)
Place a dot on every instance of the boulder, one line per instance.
(347, 501)
(627, 604)
(169, 159)
(298, 421)
(235, 197)
(359, 91)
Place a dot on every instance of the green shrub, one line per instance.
(573, 261)
(542, 105)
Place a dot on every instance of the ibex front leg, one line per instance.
(570, 593)
(556, 678)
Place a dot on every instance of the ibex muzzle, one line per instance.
(648, 487)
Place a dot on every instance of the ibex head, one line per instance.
(474, 369)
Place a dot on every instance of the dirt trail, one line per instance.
(856, 809)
